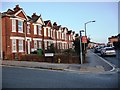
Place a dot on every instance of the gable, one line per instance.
(49, 24)
(21, 14)
(40, 21)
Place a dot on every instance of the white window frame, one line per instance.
(20, 45)
(39, 29)
(35, 29)
(20, 26)
(14, 48)
(28, 28)
(13, 25)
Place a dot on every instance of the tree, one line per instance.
(77, 45)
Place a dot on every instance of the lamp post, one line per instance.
(85, 24)
(81, 58)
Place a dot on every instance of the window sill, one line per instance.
(20, 32)
(14, 51)
(14, 31)
(21, 51)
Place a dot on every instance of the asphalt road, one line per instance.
(13, 77)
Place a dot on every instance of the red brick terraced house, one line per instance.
(48, 34)
(34, 32)
(13, 32)
(22, 34)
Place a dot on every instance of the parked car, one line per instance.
(98, 49)
(108, 51)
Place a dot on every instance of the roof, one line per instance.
(112, 37)
(69, 32)
(47, 23)
(12, 12)
(34, 17)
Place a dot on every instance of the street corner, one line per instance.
(92, 69)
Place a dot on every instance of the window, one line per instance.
(64, 36)
(39, 30)
(35, 29)
(49, 32)
(28, 28)
(20, 45)
(20, 26)
(57, 35)
(14, 45)
(13, 25)
(54, 33)
(40, 44)
(70, 38)
(44, 31)
(35, 44)
(63, 45)
(60, 35)
(45, 45)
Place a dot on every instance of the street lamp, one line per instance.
(81, 58)
(85, 24)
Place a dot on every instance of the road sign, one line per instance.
(84, 39)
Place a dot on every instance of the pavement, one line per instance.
(95, 64)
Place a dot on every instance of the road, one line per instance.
(14, 77)
(112, 59)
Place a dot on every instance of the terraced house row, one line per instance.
(22, 34)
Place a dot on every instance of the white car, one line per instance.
(108, 51)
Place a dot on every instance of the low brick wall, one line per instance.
(63, 58)
(32, 57)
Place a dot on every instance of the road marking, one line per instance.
(113, 66)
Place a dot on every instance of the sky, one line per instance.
(74, 15)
